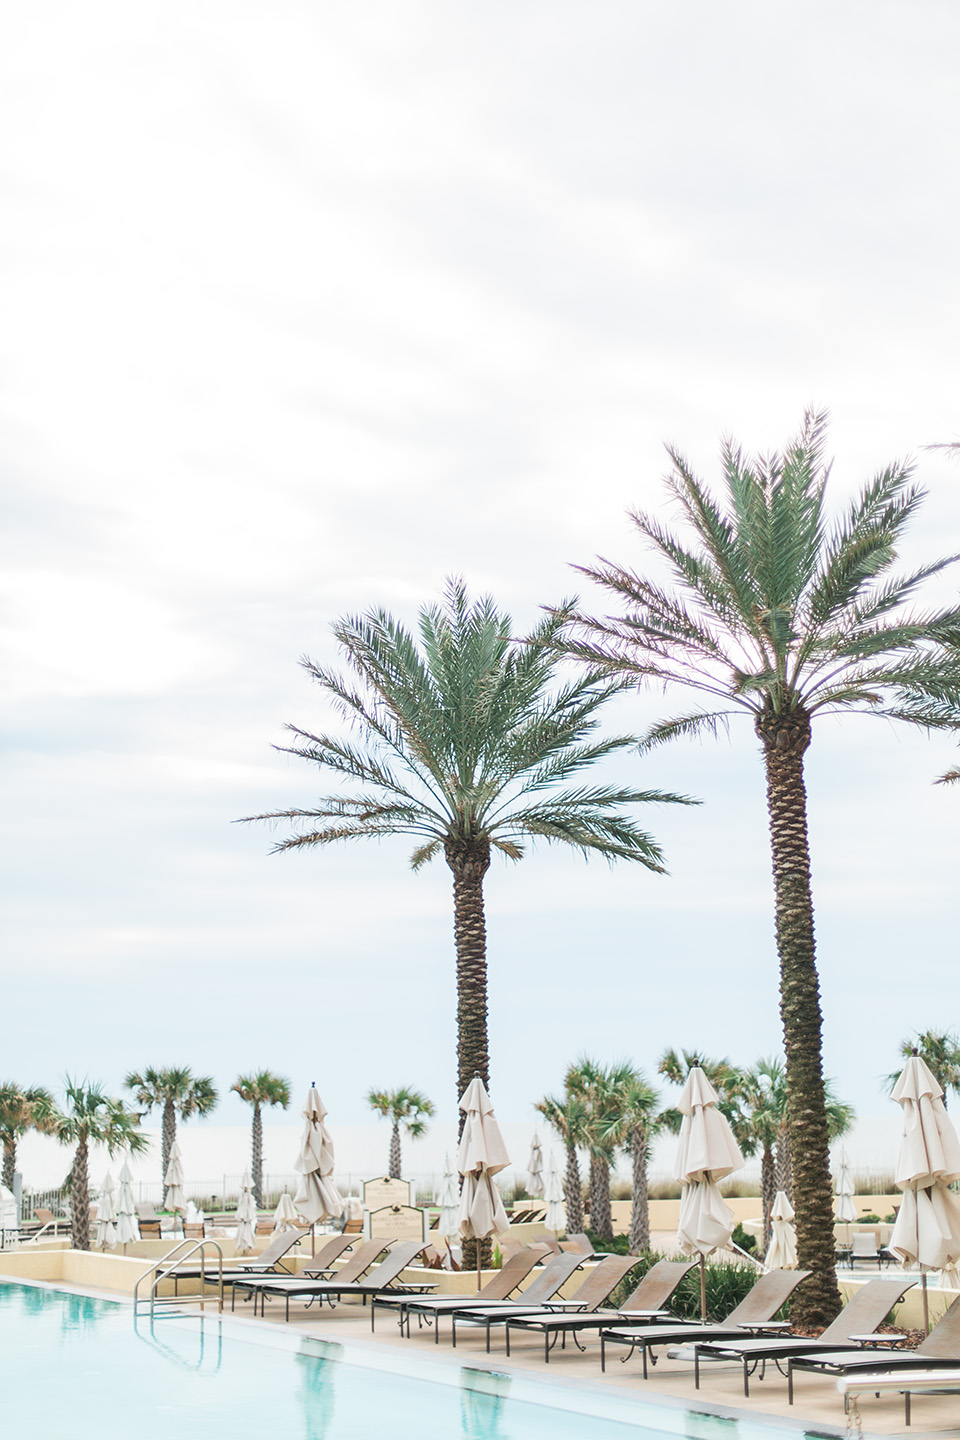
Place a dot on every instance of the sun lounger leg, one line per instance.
(789, 1382)
(603, 1354)
(906, 1407)
(506, 1336)
(696, 1367)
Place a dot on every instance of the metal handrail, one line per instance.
(165, 1269)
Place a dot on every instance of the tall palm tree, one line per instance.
(407, 1107)
(90, 1117)
(22, 1109)
(764, 1091)
(467, 742)
(940, 1049)
(259, 1088)
(175, 1091)
(780, 615)
(636, 1120)
(568, 1118)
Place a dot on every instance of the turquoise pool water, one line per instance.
(73, 1367)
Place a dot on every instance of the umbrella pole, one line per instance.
(313, 1241)
(703, 1286)
(926, 1310)
(479, 1245)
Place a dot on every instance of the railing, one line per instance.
(168, 1265)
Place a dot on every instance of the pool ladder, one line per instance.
(165, 1270)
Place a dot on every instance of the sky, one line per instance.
(307, 307)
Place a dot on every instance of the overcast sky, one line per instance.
(308, 306)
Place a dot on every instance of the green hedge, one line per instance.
(727, 1284)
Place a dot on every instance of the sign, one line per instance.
(377, 1193)
(397, 1222)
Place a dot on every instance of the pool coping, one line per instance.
(665, 1414)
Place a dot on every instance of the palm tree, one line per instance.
(636, 1121)
(764, 1091)
(782, 616)
(92, 1118)
(725, 1078)
(260, 1088)
(568, 1117)
(466, 741)
(940, 1050)
(176, 1091)
(21, 1110)
(601, 1089)
(407, 1107)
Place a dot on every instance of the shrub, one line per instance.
(868, 1219)
(744, 1239)
(727, 1285)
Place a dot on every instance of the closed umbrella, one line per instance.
(285, 1215)
(845, 1209)
(482, 1155)
(128, 1226)
(535, 1168)
(174, 1198)
(556, 1216)
(449, 1201)
(106, 1236)
(316, 1198)
(246, 1215)
(926, 1235)
(782, 1254)
(706, 1154)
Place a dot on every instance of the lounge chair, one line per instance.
(386, 1275)
(645, 1303)
(756, 1310)
(864, 1247)
(146, 1210)
(537, 1294)
(860, 1316)
(354, 1267)
(505, 1281)
(269, 1259)
(908, 1383)
(596, 1287)
(941, 1347)
(150, 1230)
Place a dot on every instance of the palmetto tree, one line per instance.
(175, 1091)
(940, 1050)
(601, 1089)
(260, 1088)
(90, 1117)
(633, 1119)
(781, 616)
(568, 1118)
(22, 1109)
(407, 1107)
(471, 743)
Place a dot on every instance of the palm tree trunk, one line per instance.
(9, 1159)
(768, 1192)
(168, 1134)
(573, 1193)
(640, 1210)
(394, 1170)
(470, 862)
(257, 1157)
(785, 740)
(80, 1199)
(783, 1165)
(601, 1217)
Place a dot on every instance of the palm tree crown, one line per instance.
(261, 1088)
(469, 742)
(22, 1109)
(90, 1116)
(176, 1091)
(407, 1107)
(940, 1050)
(780, 615)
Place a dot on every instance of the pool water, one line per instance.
(73, 1367)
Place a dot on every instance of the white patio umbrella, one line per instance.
(782, 1254)
(285, 1215)
(482, 1155)
(316, 1198)
(246, 1215)
(106, 1236)
(556, 1216)
(174, 1198)
(535, 1168)
(845, 1209)
(449, 1201)
(706, 1154)
(128, 1226)
(926, 1235)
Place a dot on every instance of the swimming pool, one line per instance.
(75, 1367)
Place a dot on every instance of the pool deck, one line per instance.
(819, 1407)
